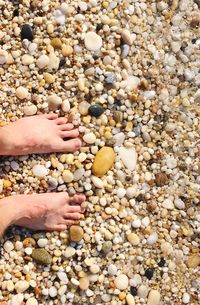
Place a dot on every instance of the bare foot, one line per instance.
(51, 211)
(38, 134)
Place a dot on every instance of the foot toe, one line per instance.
(74, 216)
(60, 121)
(65, 127)
(77, 199)
(51, 116)
(75, 209)
(60, 227)
(70, 134)
(71, 145)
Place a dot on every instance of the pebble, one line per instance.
(93, 42)
(186, 298)
(121, 282)
(1, 186)
(166, 248)
(41, 256)
(67, 176)
(84, 283)
(95, 110)
(83, 108)
(22, 93)
(8, 246)
(127, 37)
(32, 301)
(193, 261)
(130, 299)
(104, 160)
(30, 110)
(42, 61)
(21, 286)
(125, 49)
(128, 157)
(54, 62)
(143, 291)
(65, 106)
(39, 171)
(119, 138)
(62, 277)
(133, 239)
(27, 59)
(53, 292)
(54, 102)
(76, 233)
(153, 297)
(42, 242)
(106, 247)
(89, 138)
(67, 50)
(56, 43)
(26, 32)
(112, 270)
(152, 238)
(97, 182)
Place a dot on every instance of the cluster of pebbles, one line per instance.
(127, 73)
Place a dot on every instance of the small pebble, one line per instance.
(93, 42)
(22, 93)
(121, 282)
(26, 32)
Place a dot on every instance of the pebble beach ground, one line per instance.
(127, 74)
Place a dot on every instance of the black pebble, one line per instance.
(117, 102)
(139, 197)
(95, 110)
(161, 262)
(27, 32)
(133, 290)
(99, 27)
(62, 62)
(149, 273)
(16, 13)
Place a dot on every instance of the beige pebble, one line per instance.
(27, 59)
(67, 176)
(104, 160)
(49, 78)
(56, 43)
(133, 239)
(22, 93)
(153, 298)
(42, 61)
(30, 110)
(54, 102)
(130, 299)
(84, 283)
(83, 107)
(67, 50)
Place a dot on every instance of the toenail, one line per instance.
(78, 143)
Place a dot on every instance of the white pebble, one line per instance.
(8, 246)
(153, 298)
(22, 93)
(186, 298)
(42, 242)
(89, 138)
(121, 192)
(128, 157)
(152, 238)
(97, 182)
(30, 110)
(53, 292)
(136, 223)
(14, 165)
(42, 61)
(121, 282)
(31, 301)
(21, 286)
(112, 270)
(93, 42)
(39, 171)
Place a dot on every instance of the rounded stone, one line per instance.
(76, 233)
(22, 93)
(153, 297)
(32, 301)
(42, 61)
(93, 42)
(95, 110)
(103, 161)
(30, 110)
(121, 282)
(54, 102)
(89, 138)
(67, 176)
(41, 256)
(84, 283)
(26, 32)
(53, 292)
(42, 242)
(21, 286)
(8, 246)
(133, 239)
(56, 43)
(39, 171)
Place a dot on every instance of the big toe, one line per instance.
(71, 145)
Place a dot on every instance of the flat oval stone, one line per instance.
(121, 282)
(153, 298)
(128, 156)
(76, 233)
(39, 171)
(30, 110)
(103, 161)
(93, 42)
(41, 256)
(27, 32)
(95, 110)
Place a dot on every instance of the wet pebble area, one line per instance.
(127, 73)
